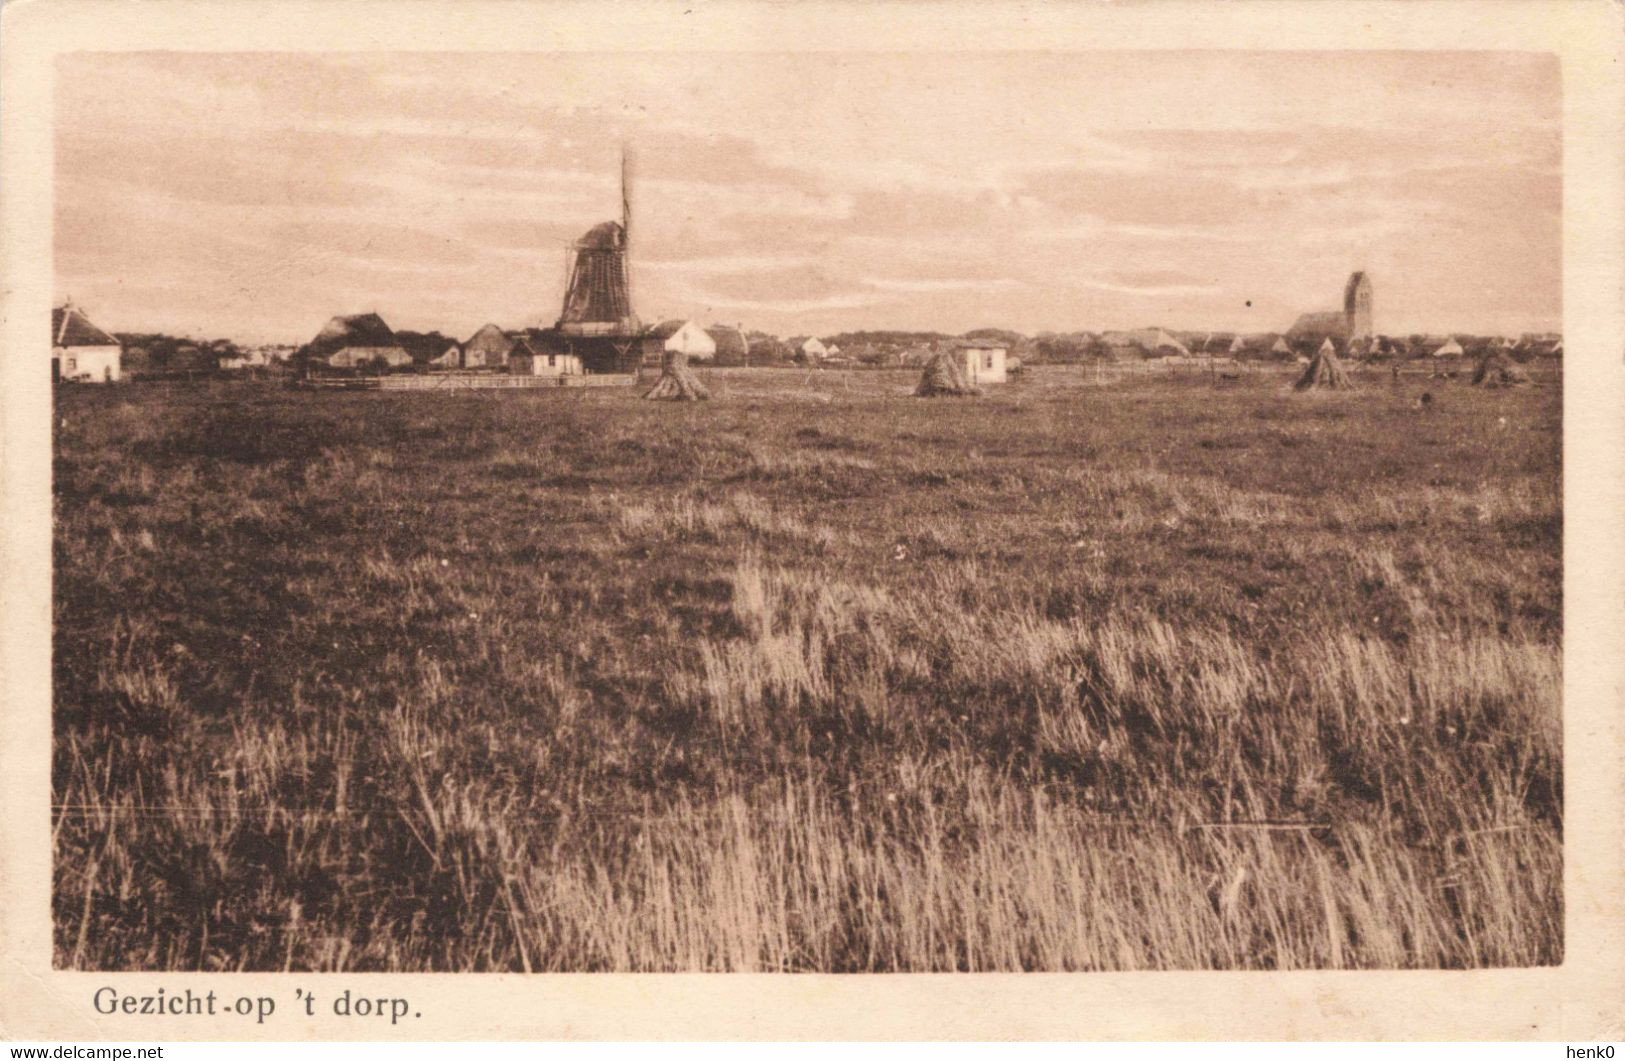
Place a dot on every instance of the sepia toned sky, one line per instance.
(253, 196)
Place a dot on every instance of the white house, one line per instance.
(813, 350)
(80, 351)
(985, 360)
(685, 337)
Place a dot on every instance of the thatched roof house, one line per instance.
(355, 340)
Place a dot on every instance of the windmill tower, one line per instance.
(598, 297)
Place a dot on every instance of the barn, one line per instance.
(490, 347)
(80, 351)
(355, 341)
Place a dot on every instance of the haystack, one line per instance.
(1496, 369)
(677, 382)
(945, 375)
(1325, 372)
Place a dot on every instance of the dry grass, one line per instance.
(1071, 677)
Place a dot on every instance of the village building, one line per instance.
(985, 360)
(451, 357)
(1312, 329)
(357, 341)
(246, 361)
(1148, 342)
(811, 349)
(732, 345)
(490, 347)
(80, 351)
(1448, 348)
(685, 337)
(1353, 321)
(534, 355)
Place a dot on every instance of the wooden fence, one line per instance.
(462, 382)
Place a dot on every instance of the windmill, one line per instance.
(597, 308)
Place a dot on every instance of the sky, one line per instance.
(253, 196)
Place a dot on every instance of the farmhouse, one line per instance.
(985, 360)
(685, 337)
(811, 349)
(355, 341)
(489, 347)
(80, 351)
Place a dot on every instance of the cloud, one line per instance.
(1148, 289)
(790, 306)
(921, 286)
(733, 263)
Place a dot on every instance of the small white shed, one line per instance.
(985, 360)
(80, 351)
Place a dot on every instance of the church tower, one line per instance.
(1357, 306)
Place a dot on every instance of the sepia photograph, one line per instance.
(768, 512)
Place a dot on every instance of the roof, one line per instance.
(356, 330)
(359, 329)
(489, 339)
(1151, 339)
(70, 327)
(981, 344)
(667, 329)
(608, 236)
(731, 342)
(1317, 325)
(598, 299)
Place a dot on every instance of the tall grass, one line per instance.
(1141, 677)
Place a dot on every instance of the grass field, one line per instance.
(812, 677)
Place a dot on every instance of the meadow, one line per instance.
(812, 677)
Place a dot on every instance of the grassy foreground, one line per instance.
(811, 677)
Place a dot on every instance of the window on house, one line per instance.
(73, 363)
